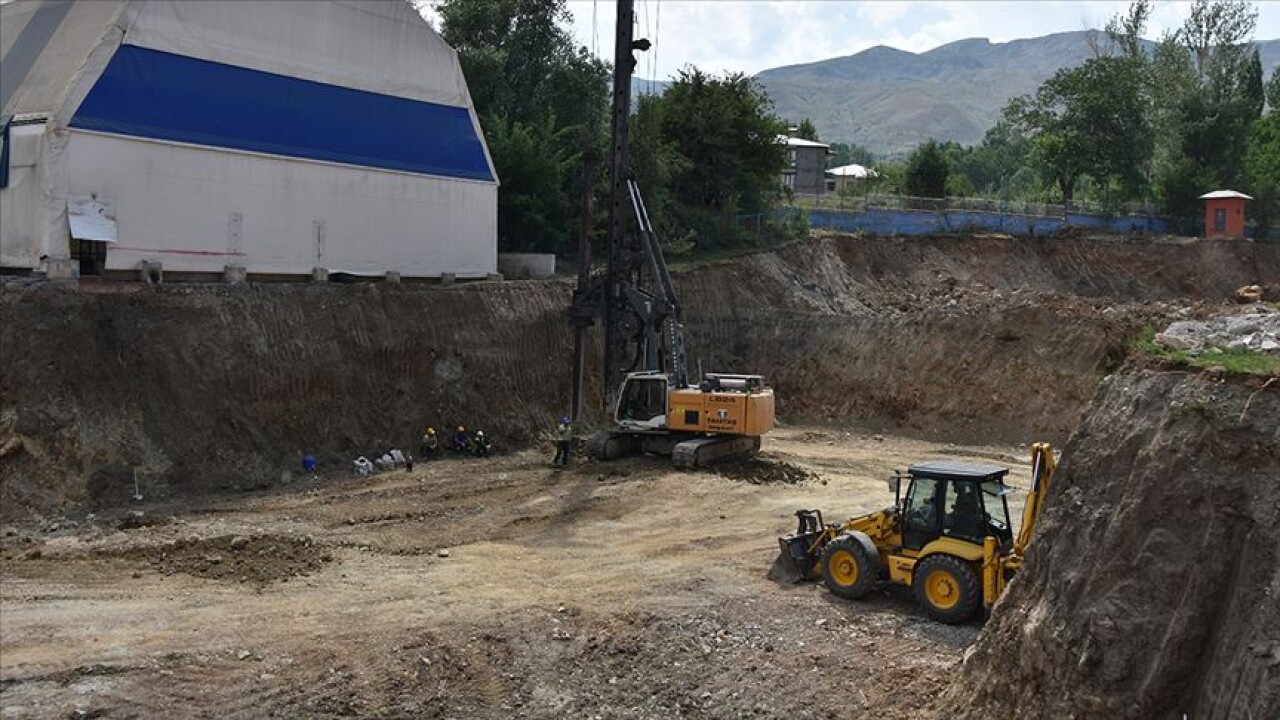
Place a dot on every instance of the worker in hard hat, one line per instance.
(481, 444)
(430, 444)
(461, 440)
(564, 437)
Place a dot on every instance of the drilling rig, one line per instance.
(655, 406)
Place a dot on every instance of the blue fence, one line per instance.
(908, 222)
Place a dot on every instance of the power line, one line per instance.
(657, 33)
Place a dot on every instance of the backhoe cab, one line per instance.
(948, 537)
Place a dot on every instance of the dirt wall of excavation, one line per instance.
(973, 339)
(221, 387)
(211, 387)
(1150, 590)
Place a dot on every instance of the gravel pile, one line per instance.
(1258, 330)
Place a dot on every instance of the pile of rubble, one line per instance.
(1258, 330)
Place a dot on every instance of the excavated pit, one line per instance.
(110, 392)
(136, 581)
(1152, 588)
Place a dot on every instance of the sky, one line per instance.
(748, 37)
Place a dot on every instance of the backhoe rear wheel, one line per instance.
(847, 569)
(947, 588)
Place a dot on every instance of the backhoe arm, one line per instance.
(1042, 468)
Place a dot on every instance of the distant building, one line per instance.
(271, 138)
(1224, 213)
(806, 165)
(848, 178)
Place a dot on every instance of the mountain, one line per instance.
(891, 100)
(644, 86)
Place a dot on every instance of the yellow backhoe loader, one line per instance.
(949, 538)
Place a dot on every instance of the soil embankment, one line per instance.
(198, 388)
(209, 387)
(971, 339)
(1150, 590)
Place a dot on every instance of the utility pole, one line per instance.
(582, 312)
(625, 257)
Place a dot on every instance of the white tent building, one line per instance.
(275, 136)
(849, 176)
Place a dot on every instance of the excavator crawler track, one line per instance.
(612, 445)
(701, 451)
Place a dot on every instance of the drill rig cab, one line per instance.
(723, 416)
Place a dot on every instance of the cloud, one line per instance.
(754, 36)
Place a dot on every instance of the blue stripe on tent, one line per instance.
(153, 94)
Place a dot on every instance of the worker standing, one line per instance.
(564, 436)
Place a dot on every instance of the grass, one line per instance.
(1239, 361)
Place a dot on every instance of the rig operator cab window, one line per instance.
(642, 404)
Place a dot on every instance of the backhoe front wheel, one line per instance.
(847, 569)
(947, 588)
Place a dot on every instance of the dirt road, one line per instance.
(493, 588)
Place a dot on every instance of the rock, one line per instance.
(136, 575)
(1249, 294)
(214, 559)
(1173, 342)
(239, 542)
(442, 553)
(878, 438)
(244, 655)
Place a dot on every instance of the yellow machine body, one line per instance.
(989, 562)
(726, 413)
(724, 416)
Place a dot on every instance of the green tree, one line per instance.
(1273, 89)
(1126, 30)
(1087, 120)
(806, 130)
(927, 172)
(1251, 92)
(719, 138)
(850, 154)
(889, 179)
(657, 162)
(1205, 100)
(542, 101)
(1217, 33)
(534, 212)
(1263, 165)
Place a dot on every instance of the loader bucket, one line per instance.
(799, 550)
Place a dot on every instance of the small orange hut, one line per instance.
(1224, 213)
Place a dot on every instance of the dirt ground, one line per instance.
(487, 588)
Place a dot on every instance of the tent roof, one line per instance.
(1216, 194)
(852, 171)
(380, 46)
(800, 142)
(42, 45)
